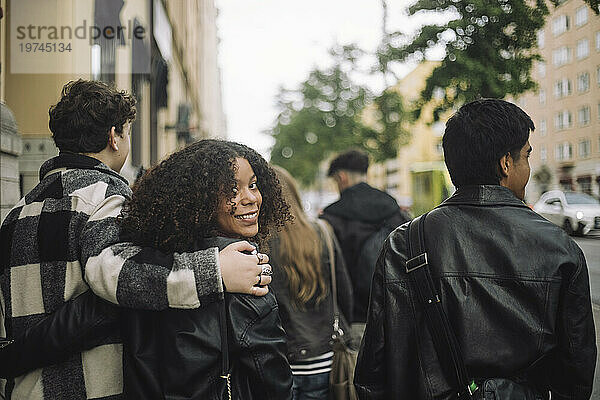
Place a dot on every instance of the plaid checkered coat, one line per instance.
(61, 240)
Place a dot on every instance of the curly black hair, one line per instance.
(175, 203)
(81, 121)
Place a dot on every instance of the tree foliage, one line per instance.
(543, 177)
(324, 116)
(594, 4)
(489, 49)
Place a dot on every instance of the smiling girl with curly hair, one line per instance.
(176, 202)
(210, 194)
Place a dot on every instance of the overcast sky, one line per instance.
(266, 44)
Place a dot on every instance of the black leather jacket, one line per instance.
(167, 354)
(176, 354)
(516, 291)
(309, 330)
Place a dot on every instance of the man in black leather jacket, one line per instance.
(514, 286)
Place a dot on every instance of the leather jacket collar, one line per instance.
(484, 195)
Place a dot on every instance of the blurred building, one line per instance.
(10, 149)
(171, 68)
(417, 177)
(566, 106)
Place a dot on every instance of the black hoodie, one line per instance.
(360, 212)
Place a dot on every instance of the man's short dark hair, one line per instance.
(351, 160)
(478, 135)
(81, 121)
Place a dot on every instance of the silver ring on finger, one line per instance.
(266, 270)
(260, 257)
(259, 280)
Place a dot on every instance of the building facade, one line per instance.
(417, 177)
(566, 106)
(10, 150)
(166, 56)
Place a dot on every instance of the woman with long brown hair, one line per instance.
(302, 285)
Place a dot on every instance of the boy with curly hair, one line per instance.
(63, 238)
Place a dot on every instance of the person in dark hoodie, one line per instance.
(362, 219)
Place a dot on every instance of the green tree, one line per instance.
(543, 177)
(594, 4)
(489, 49)
(323, 116)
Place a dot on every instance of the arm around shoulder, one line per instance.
(79, 324)
(143, 277)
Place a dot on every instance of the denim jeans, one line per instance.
(310, 387)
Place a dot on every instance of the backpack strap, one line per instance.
(444, 340)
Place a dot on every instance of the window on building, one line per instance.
(585, 184)
(542, 96)
(583, 49)
(563, 120)
(598, 41)
(566, 184)
(560, 24)
(543, 153)
(439, 148)
(584, 148)
(583, 82)
(541, 39)
(562, 88)
(598, 75)
(561, 56)
(584, 115)
(563, 151)
(107, 14)
(543, 128)
(581, 15)
(542, 69)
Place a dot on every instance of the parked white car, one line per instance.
(577, 213)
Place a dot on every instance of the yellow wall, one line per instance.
(421, 151)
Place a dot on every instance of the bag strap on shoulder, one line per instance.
(444, 340)
(225, 369)
(329, 241)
